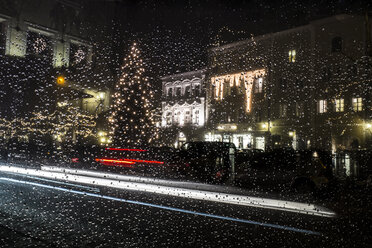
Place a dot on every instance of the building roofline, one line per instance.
(271, 35)
(183, 74)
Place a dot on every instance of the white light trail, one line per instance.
(241, 200)
(262, 224)
(137, 179)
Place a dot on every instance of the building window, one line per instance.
(292, 56)
(283, 84)
(78, 54)
(322, 106)
(326, 74)
(336, 44)
(197, 90)
(258, 85)
(187, 91)
(169, 118)
(283, 110)
(177, 116)
(357, 104)
(178, 91)
(196, 117)
(339, 105)
(258, 115)
(170, 92)
(187, 117)
(39, 45)
(299, 109)
(2, 37)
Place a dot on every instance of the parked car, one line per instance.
(83, 156)
(209, 161)
(284, 169)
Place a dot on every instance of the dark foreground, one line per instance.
(35, 212)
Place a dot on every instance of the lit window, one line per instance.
(177, 116)
(322, 106)
(258, 85)
(339, 105)
(292, 56)
(357, 104)
(196, 117)
(187, 117)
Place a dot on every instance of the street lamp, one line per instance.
(61, 80)
(101, 95)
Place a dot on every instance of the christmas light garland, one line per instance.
(131, 120)
(51, 124)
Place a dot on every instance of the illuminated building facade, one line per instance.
(48, 65)
(304, 87)
(183, 107)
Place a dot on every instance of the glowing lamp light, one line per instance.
(101, 95)
(61, 80)
(264, 125)
(103, 139)
(369, 125)
(291, 134)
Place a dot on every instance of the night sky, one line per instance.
(178, 33)
(174, 35)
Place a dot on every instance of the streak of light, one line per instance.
(144, 161)
(67, 184)
(111, 161)
(138, 179)
(115, 162)
(257, 202)
(262, 224)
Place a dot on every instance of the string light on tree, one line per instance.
(131, 119)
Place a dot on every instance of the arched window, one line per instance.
(336, 44)
(178, 91)
(170, 92)
(197, 90)
(187, 91)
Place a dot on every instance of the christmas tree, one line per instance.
(131, 120)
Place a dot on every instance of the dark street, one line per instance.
(48, 212)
